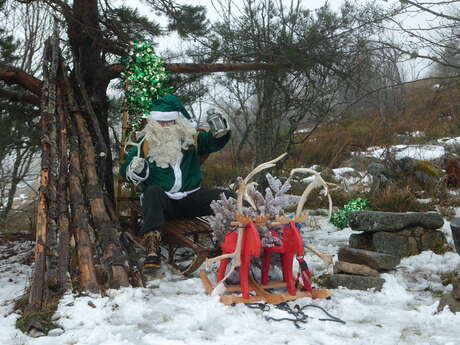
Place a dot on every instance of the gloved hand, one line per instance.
(137, 164)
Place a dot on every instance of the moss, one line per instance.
(447, 278)
(435, 293)
(429, 168)
(41, 319)
(441, 248)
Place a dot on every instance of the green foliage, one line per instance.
(429, 168)
(340, 218)
(189, 20)
(126, 24)
(145, 78)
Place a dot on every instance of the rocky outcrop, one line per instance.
(385, 238)
(374, 221)
(353, 282)
(403, 243)
(375, 260)
(347, 267)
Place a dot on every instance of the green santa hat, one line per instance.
(168, 108)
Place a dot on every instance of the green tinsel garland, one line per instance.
(340, 217)
(145, 79)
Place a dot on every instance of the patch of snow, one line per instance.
(449, 141)
(425, 201)
(416, 134)
(420, 152)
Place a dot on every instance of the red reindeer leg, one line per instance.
(251, 247)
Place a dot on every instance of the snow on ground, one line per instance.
(420, 152)
(449, 141)
(176, 311)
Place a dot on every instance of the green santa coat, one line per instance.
(186, 176)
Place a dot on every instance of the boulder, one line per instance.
(352, 282)
(374, 221)
(381, 175)
(403, 243)
(451, 302)
(375, 260)
(346, 267)
(361, 241)
(456, 287)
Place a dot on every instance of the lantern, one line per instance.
(217, 123)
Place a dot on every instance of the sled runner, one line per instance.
(188, 241)
(261, 293)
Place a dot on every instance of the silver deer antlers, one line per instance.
(316, 183)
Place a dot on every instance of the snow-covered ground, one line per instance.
(175, 310)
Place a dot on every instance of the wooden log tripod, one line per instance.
(188, 241)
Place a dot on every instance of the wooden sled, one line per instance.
(192, 237)
(260, 292)
(187, 240)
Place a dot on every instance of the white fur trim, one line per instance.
(164, 115)
(177, 176)
(180, 195)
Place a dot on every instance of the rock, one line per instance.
(352, 282)
(374, 221)
(402, 243)
(380, 176)
(55, 332)
(375, 260)
(361, 241)
(456, 287)
(346, 267)
(449, 301)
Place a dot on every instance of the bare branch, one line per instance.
(113, 71)
(18, 97)
(13, 75)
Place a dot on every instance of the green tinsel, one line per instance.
(340, 217)
(145, 79)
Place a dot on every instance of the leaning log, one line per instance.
(80, 222)
(112, 259)
(62, 197)
(38, 287)
(52, 259)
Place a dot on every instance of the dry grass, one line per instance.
(396, 199)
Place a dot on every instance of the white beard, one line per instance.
(166, 143)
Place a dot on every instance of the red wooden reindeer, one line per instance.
(245, 243)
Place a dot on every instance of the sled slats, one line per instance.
(261, 294)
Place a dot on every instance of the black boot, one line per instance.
(152, 245)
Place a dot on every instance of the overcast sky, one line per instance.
(172, 43)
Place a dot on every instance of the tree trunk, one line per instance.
(38, 289)
(63, 201)
(80, 223)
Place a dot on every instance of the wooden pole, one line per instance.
(121, 155)
(62, 196)
(38, 288)
(80, 222)
(113, 258)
